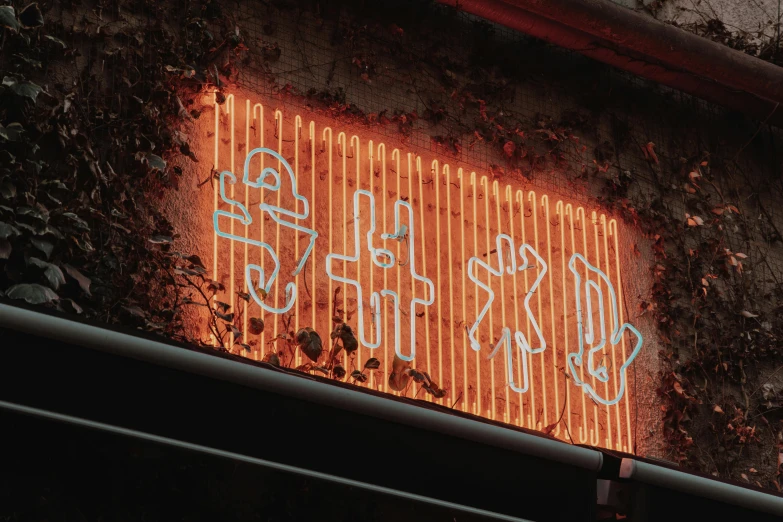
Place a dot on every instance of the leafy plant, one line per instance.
(85, 152)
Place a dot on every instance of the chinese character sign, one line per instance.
(512, 304)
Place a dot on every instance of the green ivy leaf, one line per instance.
(12, 132)
(69, 306)
(56, 40)
(256, 325)
(33, 294)
(358, 376)
(229, 318)
(24, 89)
(43, 245)
(272, 358)
(8, 231)
(8, 18)
(5, 249)
(372, 364)
(52, 273)
(77, 221)
(83, 281)
(156, 162)
(309, 342)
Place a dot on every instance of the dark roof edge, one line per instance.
(615, 35)
(198, 448)
(696, 485)
(163, 354)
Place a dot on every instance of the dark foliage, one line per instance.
(92, 104)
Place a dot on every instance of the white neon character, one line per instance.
(245, 218)
(576, 359)
(383, 258)
(505, 339)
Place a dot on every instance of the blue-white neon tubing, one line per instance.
(400, 233)
(505, 340)
(576, 359)
(245, 218)
(375, 297)
(385, 259)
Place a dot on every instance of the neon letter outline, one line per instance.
(505, 340)
(601, 372)
(385, 259)
(274, 212)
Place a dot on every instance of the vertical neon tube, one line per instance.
(561, 210)
(247, 228)
(436, 182)
(520, 198)
(370, 264)
(621, 305)
(342, 151)
(555, 412)
(232, 284)
(511, 198)
(313, 299)
(504, 324)
(477, 407)
(297, 305)
(355, 151)
(531, 196)
(412, 200)
(423, 253)
(215, 203)
(608, 439)
(463, 222)
(584, 431)
(492, 411)
(607, 271)
(258, 115)
(384, 197)
(279, 129)
(396, 158)
(452, 332)
(594, 431)
(327, 146)
(532, 404)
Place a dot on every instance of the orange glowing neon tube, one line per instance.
(430, 227)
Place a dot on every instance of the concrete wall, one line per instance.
(757, 20)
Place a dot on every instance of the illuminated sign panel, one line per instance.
(510, 302)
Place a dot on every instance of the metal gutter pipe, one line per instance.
(617, 36)
(251, 376)
(699, 486)
(198, 448)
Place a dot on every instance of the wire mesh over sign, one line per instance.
(433, 281)
(336, 61)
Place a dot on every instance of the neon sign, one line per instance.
(274, 212)
(384, 258)
(576, 359)
(505, 338)
(442, 269)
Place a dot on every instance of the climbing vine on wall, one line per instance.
(95, 106)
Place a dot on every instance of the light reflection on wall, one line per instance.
(457, 216)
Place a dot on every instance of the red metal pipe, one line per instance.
(627, 40)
